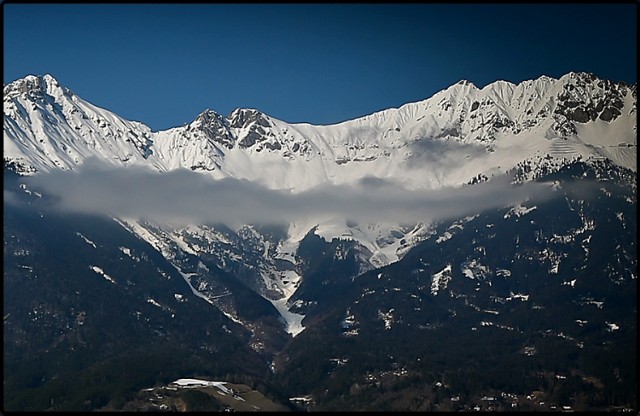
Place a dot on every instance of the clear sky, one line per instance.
(163, 64)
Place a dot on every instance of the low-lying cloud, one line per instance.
(441, 152)
(183, 196)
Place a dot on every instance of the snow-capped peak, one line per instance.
(242, 117)
(466, 83)
(32, 84)
(208, 121)
(47, 126)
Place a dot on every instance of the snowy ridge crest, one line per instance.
(48, 127)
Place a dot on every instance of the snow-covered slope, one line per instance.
(459, 135)
(47, 126)
(445, 140)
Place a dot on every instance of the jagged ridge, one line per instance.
(47, 126)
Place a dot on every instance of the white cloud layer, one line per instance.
(183, 196)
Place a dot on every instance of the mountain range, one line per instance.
(316, 255)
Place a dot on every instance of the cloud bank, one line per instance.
(183, 196)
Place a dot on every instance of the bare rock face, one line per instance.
(254, 128)
(585, 98)
(215, 127)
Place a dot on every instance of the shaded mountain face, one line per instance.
(91, 312)
(540, 298)
(349, 314)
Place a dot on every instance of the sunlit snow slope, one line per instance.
(444, 140)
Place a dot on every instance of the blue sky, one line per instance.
(163, 64)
